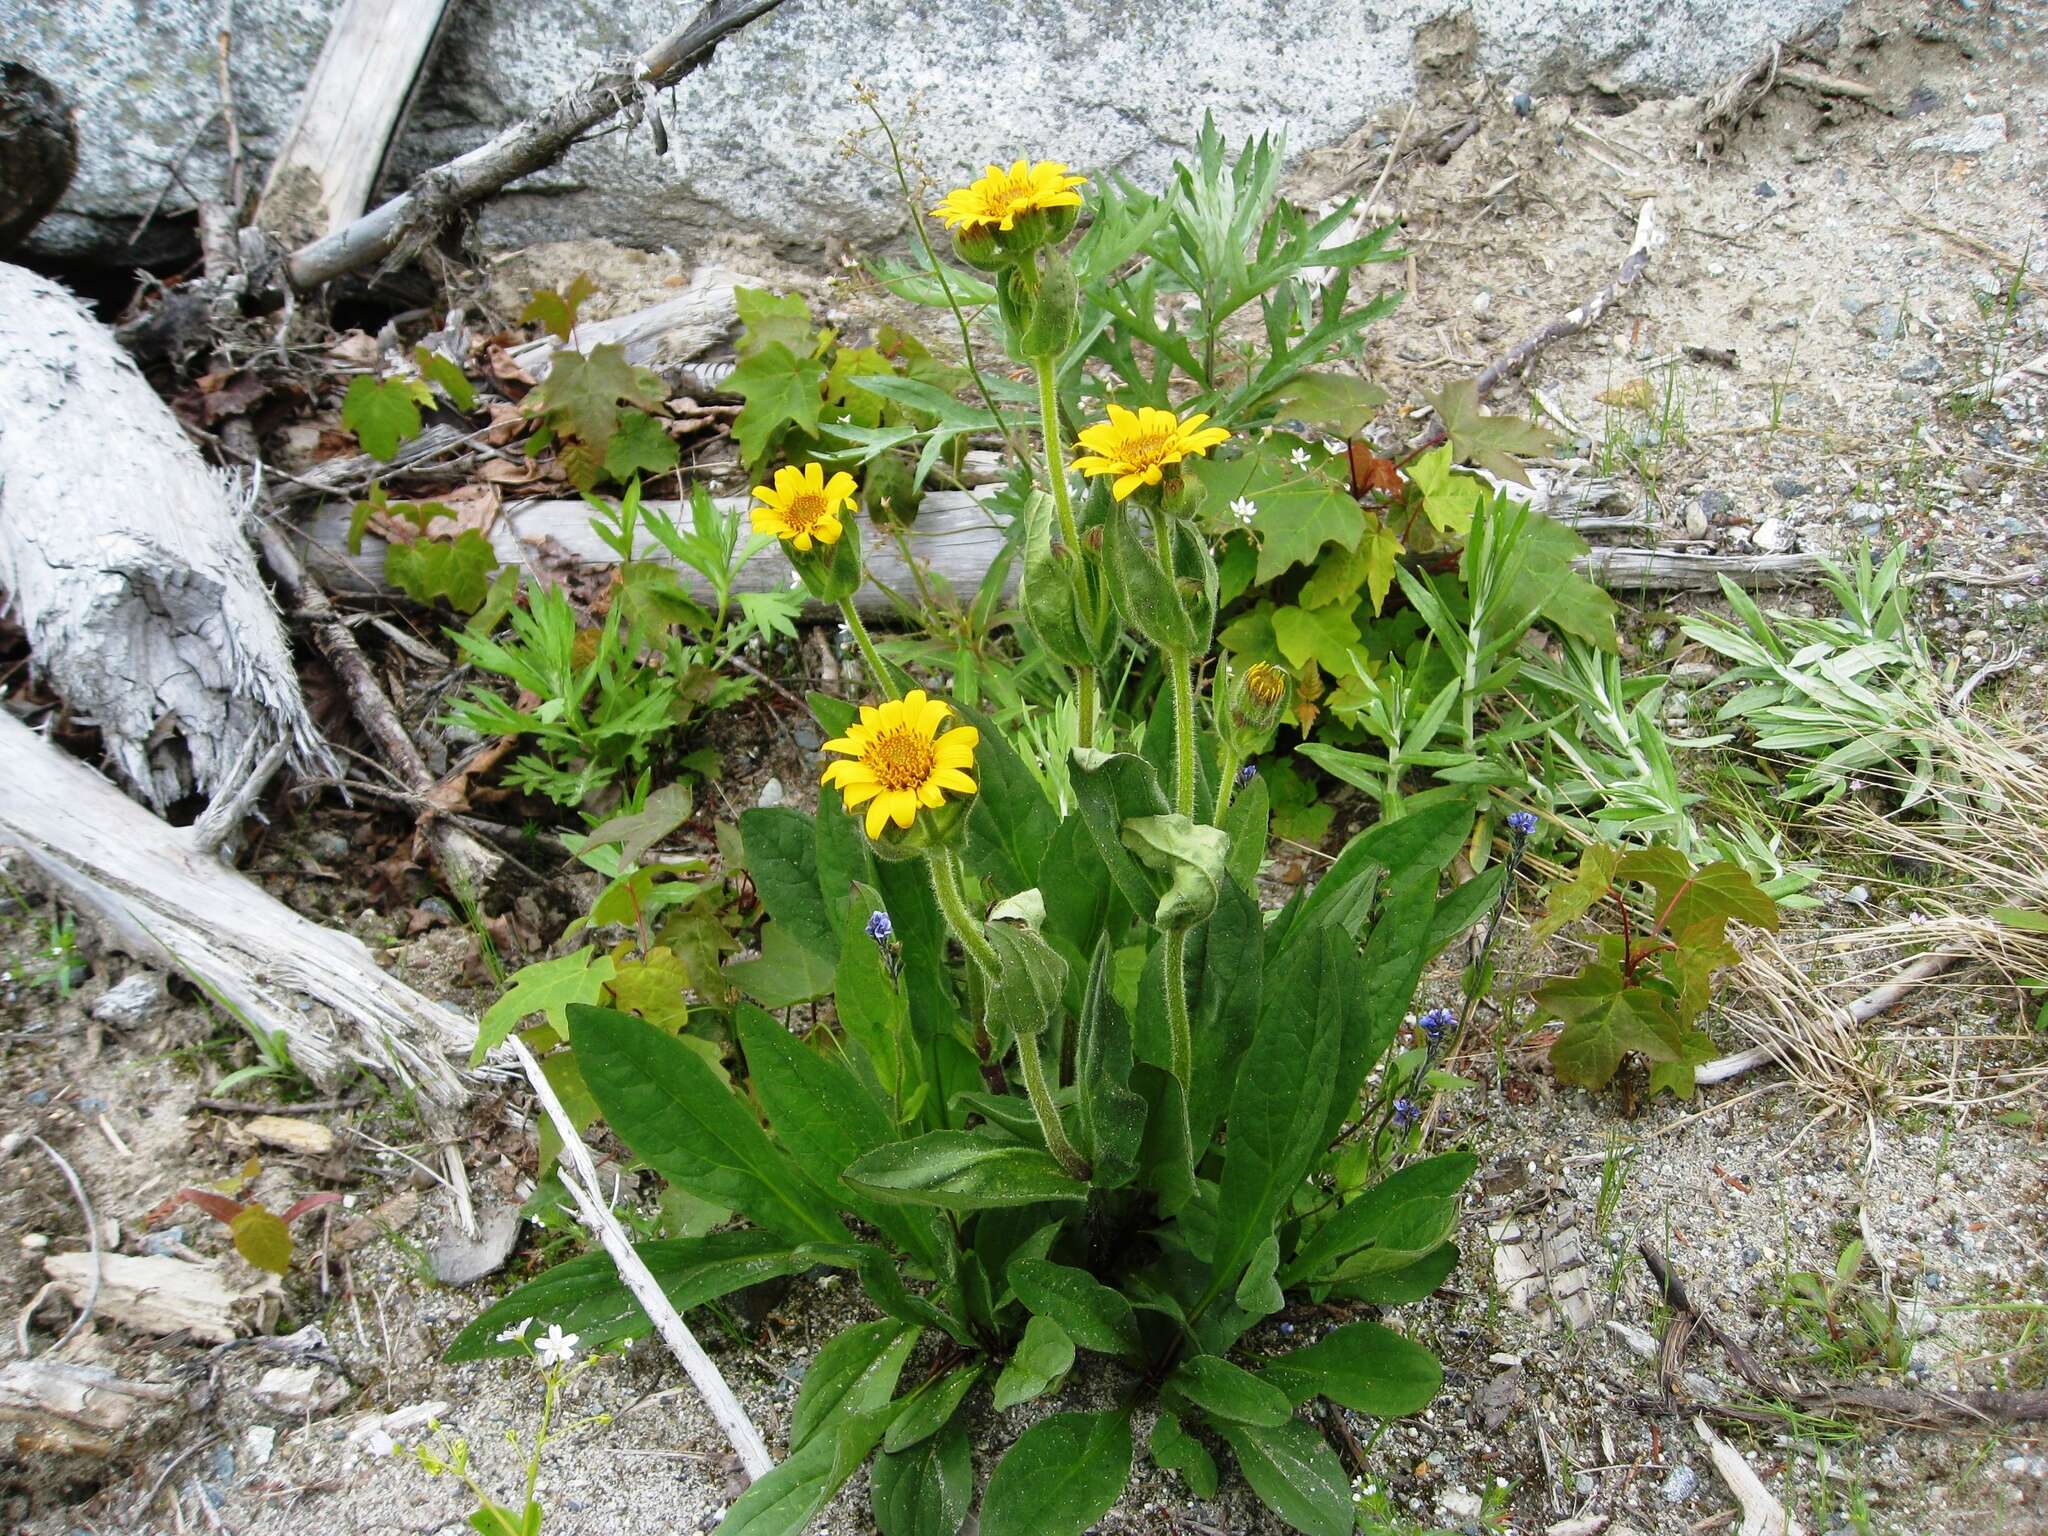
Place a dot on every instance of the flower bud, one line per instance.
(1182, 495)
(1050, 328)
(829, 572)
(977, 245)
(1257, 697)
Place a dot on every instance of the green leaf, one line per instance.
(1111, 1117)
(1298, 510)
(1695, 906)
(1494, 443)
(546, 986)
(960, 1171)
(1090, 1313)
(1026, 992)
(1400, 1286)
(1175, 1450)
(796, 1490)
(1323, 636)
(582, 392)
(1278, 1107)
(767, 318)
(1605, 1019)
(1428, 838)
(439, 368)
(1010, 822)
(1040, 1361)
(785, 973)
(456, 570)
(826, 1120)
(585, 1296)
(1224, 1391)
(1361, 1366)
(635, 833)
(1545, 583)
(855, 1373)
(262, 1238)
(930, 1408)
(1341, 402)
(1259, 1293)
(1295, 1474)
(662, 1099)
(1369, 1220)
(2025, 919)
(557, 311)
(781, 390)
(782, 856)
(1382, 550)
(384, 413)
(924, 1489)
(1060, 1477)
(1110, 789)
(640, 446)
(1449, 499)
(1186, 859)
(1592, 879)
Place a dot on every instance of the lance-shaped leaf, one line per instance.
(1113, 788)
(1380, 1218)
(960, 1171)
(1175, 1450)
(1090, 1313)
(1360, 1366)
(1039, 1363)
(855, 1373)
(1112, 1117)
(1225, 1391)
(1060, 1477)
(1186, 861)
(1295, 1474)
(1029, 987)
(924, 1489)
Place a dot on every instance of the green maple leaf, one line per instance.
(1695, 1048)
(557, 311)
(1448, 499)
(1592, 880)
(1491, 442)
(1299, 505)
(1546, 582)
(656, 988)
(1338, 576)
(1605, 1019)
(1340, 401)
(549, 987)
(1382, 551)
(384, 412)
(457, 570)
(582, 391)
(640, 446)
(1696, 905)
(665, 810)
(849, 403)
(1322, 635)
(440, 369)
(768, 318)
(782, 390)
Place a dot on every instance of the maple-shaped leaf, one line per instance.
(767, 319)
(262, 1238)
(384, 412)
(548, 987)
(582, 392)
(1605, 1019)
(1382, 551)
(781, 390)
(1590, 882)
(1341, 402)
(1491, 442)
(439, 368)
(848, 403)
(1690, 970)
(456, 570)
(557, 311)
(639, 446)
(656, 987)
(1321, 635)
(1370, 472)
(1695, 906)
(1695, 1049)
(1299, 503)
(1448, 498)
(665, 810)
(1545, 582)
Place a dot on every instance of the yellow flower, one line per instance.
(1136, 446)
(803, 506)
(899, 762)
(999, 197)
(1266, 684)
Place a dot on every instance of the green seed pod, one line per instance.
(977, 245)
(1051, 327)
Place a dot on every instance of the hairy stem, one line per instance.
(1084, 704)
(1033, 1065)
(1070, 532)
(1181, 665)
(1183, 1045)
(868, 655)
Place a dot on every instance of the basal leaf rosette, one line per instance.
(901, 764)
(808, 513)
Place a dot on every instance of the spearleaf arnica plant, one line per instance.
(1079, 1102)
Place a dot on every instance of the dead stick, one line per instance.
(583, 1186)
(247, 1107)
(536, 142)
(1862, 1011)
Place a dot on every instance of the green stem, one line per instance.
(1183, 1045)
(1182, 667)
(878, 673)
(1226, 779)
(946, 886)
(1070, 532)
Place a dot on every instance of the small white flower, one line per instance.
(556, 1348)
(1299, 458)
(1244, 509)
(516, 1332)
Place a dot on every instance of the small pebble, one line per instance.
(771, 794)
(1679, 1484)
(1524, 104)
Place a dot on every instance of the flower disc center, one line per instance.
(900, 759)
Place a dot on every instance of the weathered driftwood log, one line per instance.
(55, 1406)
(527, 146)
(38, 150)
(123, 557)
(350, 111)
(159, 894)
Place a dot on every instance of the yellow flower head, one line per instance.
(802, 507)
(898, 763)
(1265, 682)
(1136, 446)
(999, 197)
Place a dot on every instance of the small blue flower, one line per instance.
(1246, 774)
(1435, 1022)
(1405, 1113)
(1522, 824)
(880, 929)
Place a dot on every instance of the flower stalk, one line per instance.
(1063, 504)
